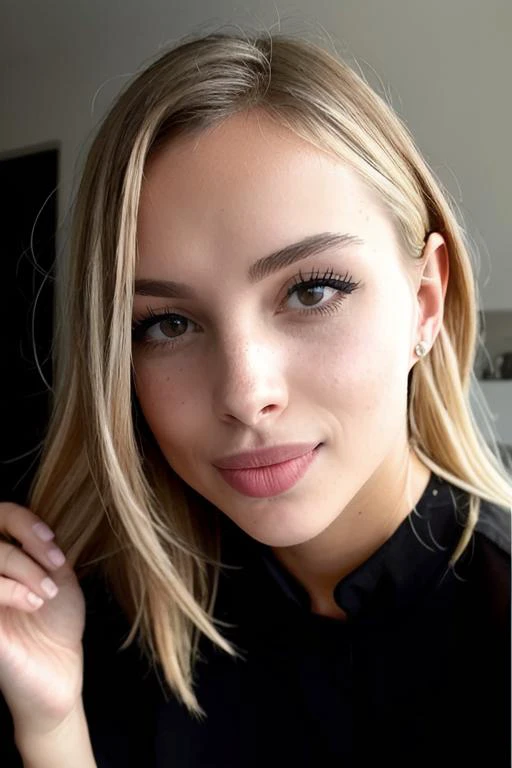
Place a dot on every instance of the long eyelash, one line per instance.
(145, 320)
(315, 278)
(345, 285)
(139, 319)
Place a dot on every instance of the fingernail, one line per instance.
(49, 587)
(34, 599)
(56, 556)
(42, 531)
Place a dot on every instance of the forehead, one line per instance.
(248, 152)
(247, 187)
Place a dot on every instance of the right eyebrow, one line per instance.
(308, 246)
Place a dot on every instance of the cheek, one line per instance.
(169, 402)
(365, 364)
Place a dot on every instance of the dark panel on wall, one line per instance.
(27, 254)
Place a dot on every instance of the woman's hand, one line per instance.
(41, 660)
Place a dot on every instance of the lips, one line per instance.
(269, 479)
(264, 457)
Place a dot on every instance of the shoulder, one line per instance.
(103, 611)
(494, 525)
(489, 561)
(118, 687)
(106, 631)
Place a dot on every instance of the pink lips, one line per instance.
(268, 472)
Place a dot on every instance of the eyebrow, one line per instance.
(308, 246)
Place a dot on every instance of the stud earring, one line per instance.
(421, 349)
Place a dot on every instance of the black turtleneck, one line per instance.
(417, 675)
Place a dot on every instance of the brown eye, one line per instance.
(162, 329)
(173, 326)
(310, 296)
(312, 291)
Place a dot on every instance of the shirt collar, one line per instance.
(404, 569)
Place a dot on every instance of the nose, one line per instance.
(250, 382)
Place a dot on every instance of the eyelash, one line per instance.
(345, 285)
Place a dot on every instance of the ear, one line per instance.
(432, 282)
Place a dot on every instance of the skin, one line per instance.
(251, 370)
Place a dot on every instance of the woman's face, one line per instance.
(248, 359)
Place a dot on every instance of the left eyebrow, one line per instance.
(308, 246)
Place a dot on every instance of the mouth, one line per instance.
(269, 479)
(264, 457)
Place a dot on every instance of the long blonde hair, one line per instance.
(102, 482)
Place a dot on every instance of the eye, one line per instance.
(167, 329)
(162, 329)
(311, 291)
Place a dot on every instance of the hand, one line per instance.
(41, 659)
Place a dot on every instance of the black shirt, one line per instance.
(417, 675)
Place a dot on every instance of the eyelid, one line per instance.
(142, 323)
(315, 276)
(343, 285)
(149, 312)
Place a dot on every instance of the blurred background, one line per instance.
(444, 66)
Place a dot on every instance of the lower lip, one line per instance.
(271, 480)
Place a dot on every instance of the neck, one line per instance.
(369, 519)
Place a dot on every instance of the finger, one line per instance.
(32, 533)
(20, 568)
(18, 596)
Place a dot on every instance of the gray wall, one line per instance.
(445, 65)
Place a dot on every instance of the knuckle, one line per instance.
(15, 520)
(11, 516)
(7, 505)
(10, 508)
(18, 592)
(10, 552)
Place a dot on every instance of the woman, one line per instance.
(262, 467)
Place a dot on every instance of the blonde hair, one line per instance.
(102, 482)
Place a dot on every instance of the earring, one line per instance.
(421, 349)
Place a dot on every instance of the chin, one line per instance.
(275, 535)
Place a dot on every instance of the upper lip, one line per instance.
(263, 457)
